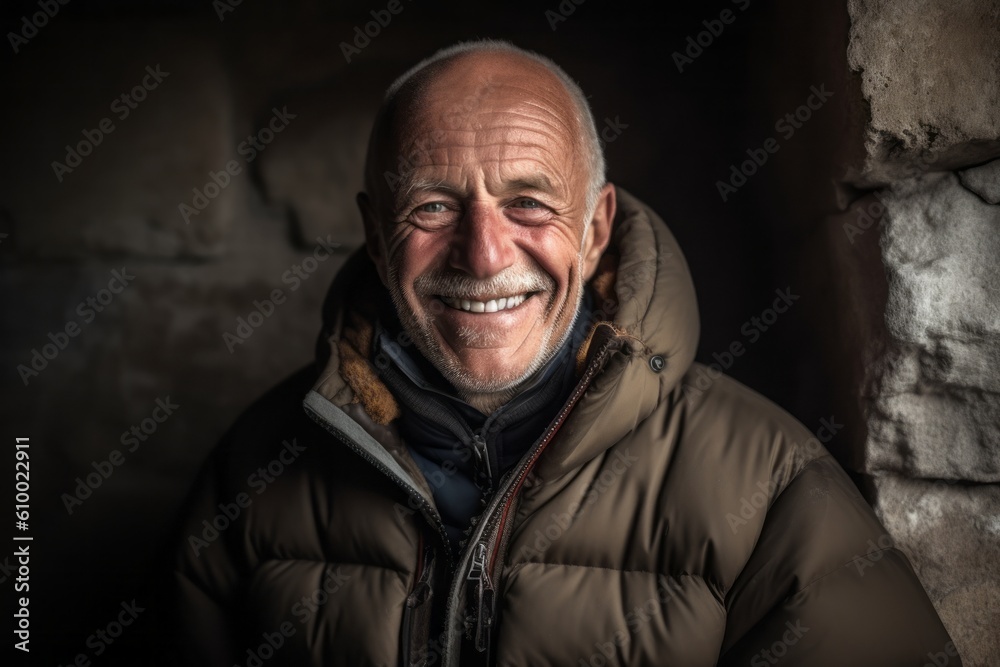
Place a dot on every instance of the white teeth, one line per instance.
(491, 306)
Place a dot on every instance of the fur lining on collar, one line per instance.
(355, 347)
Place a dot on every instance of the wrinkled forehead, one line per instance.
(511, 97)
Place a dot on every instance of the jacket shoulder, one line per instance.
(811, 565)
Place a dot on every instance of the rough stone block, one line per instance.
(922, 64)
(940, 249)
(951, 534)
(934, 395)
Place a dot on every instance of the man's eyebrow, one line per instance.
(538, 181)
(412, 185)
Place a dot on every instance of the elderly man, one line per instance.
(496, 462)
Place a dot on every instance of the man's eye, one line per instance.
(433, 207)
(433, 215)
(527, 203)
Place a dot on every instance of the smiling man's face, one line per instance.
(483, 243)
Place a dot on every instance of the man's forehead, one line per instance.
(483, 91)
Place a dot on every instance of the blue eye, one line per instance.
(433, 207)
(528, 203)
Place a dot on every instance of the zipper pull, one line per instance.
(479, 577)
(482, 458)
(422, 590)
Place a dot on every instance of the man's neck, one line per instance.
(488, 402)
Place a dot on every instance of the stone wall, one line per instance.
(920, 304)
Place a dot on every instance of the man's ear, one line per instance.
(373, 234)
(599, 231)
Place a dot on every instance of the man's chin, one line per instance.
(476, 370)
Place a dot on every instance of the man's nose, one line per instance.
(482, 246)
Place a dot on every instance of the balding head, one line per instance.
(468, 72)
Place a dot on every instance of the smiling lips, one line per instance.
(491, 306)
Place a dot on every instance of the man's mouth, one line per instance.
(490, 306)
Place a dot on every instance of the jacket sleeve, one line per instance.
(825, 585)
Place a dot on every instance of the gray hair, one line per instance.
(596, 164)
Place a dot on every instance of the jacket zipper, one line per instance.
(425, 566)
(482, 584)
(419, 594)
(483, 592)
(482, 453)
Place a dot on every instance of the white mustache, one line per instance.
(507, 282)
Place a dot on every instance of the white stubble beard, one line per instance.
(478, 392)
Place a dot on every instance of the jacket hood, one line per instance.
(644, 303)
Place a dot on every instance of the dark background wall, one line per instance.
(673, 133)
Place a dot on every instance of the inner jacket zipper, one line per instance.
(482, 453)
(484, 559)
(425, 570)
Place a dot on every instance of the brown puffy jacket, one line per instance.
(659, 520)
